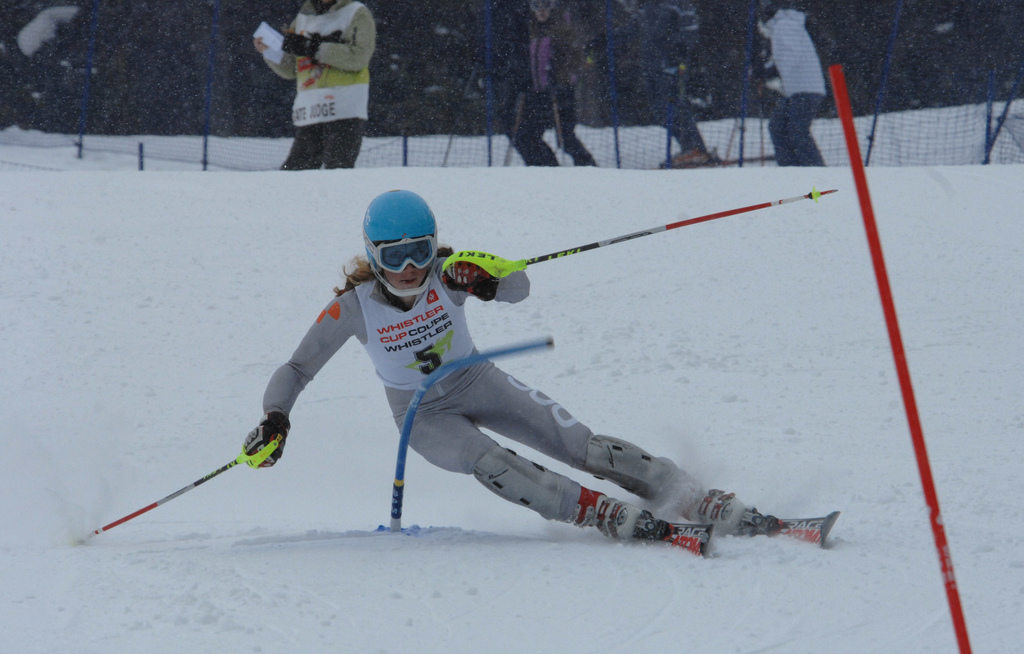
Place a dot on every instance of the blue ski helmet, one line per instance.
(399, 229)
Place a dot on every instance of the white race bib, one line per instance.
(406, 346)
(332, 103)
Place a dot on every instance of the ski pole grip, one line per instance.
(496, 266)
(257, 459)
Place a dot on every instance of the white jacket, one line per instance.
(793, 53)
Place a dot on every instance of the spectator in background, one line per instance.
(511, 64)
(556, 56)
(800, 81)
(667, 35)
(327, 52)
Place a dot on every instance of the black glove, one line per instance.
(274, 424)
(300, 45)
(334, 37)
(471, 278)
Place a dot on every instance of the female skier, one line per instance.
(408, 311)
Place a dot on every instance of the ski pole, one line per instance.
(559, 141)
(398, 490)
(253, 461)
(499, 267)
(520, 100)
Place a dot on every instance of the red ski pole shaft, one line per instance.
(813, 195)
(170, 497)
(501, 267)
(253, 460)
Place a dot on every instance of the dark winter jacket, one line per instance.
(668, 33)
(556, 52)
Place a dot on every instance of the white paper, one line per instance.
(273, 40)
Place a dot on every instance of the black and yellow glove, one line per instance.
(274, 427)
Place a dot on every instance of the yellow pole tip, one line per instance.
(815, 194)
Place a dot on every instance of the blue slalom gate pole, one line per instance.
(410, 413)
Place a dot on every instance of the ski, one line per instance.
(811, 530)
(693, 538)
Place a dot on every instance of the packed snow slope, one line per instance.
(141, 314)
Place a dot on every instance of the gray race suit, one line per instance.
(405, 345)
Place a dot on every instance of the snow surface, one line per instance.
(141, 314)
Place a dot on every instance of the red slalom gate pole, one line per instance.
(842, 99)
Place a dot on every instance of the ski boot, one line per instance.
(733, 517)
(613, 518)
(625, 521)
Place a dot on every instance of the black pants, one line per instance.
(670, 106)
(790, 129)
(330, 145)
(538, 114)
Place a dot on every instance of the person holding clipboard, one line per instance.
(326, 50)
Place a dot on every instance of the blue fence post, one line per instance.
(884, 82)
(398, 489)
(748, 66)
(488, 78)
(613, 95)
(669, 117)
(209, 81)
(1006, 109)
(90, 51)
(990, 98)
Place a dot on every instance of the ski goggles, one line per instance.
(396, 255)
